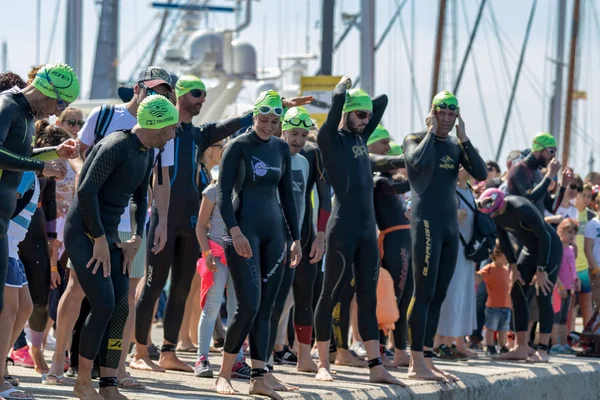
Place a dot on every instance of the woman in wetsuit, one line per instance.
(254, 168)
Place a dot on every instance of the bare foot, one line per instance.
(111, 393)
(12, 392)
(223, 386)
(169, 360)
(530, 351)
(450, 377)
(259, 386)
(518, 353)
(387, 363)
(425, 374)
(324, 375)
(306, 366)
(540, 356)
(37, 355)
(277, 385)
(380, 375)
(401, 358)
(187, 347)
(145, 364)
(86, 392)
(344, 357)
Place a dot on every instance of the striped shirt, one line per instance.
(19, 224)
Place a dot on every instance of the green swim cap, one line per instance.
(543, 140)
(378, 134)
(358, 99)
(395, 149)
(156, 112)
(296, 117)
(268, 102)
(187, 83)
(445, 97)
(62, 77)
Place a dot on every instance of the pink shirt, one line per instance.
(568, 273)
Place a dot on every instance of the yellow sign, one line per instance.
(320, 87)
(579, 95)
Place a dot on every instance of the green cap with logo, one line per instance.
(187, 83)
(156, 112)
(296, 117)
(57, 78)
(395, 149)
(445, 97)
(268, 102)
(543, 140)
(378, 134)
(357, 99)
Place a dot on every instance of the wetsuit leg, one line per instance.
(157, 272)
(33, 252)
(183, 268)
(401, 330)
(3, 266)
(280, 300)
(520, 294)
(338, 270)
(426, 251)
(304, 282)
(366, 273)
(83, 314)
(341, 314)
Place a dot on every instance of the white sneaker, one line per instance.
(359, 349)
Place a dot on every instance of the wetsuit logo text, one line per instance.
(279, 261)
(297, 186)
(260, 168)
(115, 344)
(360, 151)
(427, 247)
(447, 163)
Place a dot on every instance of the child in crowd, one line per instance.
(498, 305)
(567, 284)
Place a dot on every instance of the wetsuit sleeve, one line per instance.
(45, 153)
(529, 215)
(520, 184)
(328, 134)
(505, 245)
(386, 163)
(139, 205)
(227, 176)
(219, 131)
(286, 194)
(553, 204)
(324, 193)
(48, 197)
(419, 152)
(379, 105)
(106, 159)
(8, 160)
(472, 161)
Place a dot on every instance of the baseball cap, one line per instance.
(154, 76)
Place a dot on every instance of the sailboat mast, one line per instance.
(571, 84)
(327, 38)
(555, 103)
(438, 48)
(367, 46)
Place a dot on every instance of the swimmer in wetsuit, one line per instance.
(178, 258)
(18, 110)
(432, 162)
(116, 170)
(351, 230)
(254, 168)
(537, 264)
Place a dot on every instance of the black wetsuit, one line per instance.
(253, 170)
(182, 249)
(432, 165)
(116, 170)
(306, 273)
(16, 139)
(541, 247)
(351, 230)
(526, 180)
(395, 245)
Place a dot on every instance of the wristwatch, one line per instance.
(541, 269)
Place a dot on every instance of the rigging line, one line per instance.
(469, 46)
(478, 82)
(413, 80)
(128, 50)
(530, 76)
(516, 81)
(53, 31)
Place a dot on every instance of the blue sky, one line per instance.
(281, 27)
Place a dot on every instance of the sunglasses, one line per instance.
(574, 186)
(297, 121)
(270, 110)
(551, 151)
(73, 122)
(59, 101)
(443, 106)
(151, 91)
(363, 115)
(197, 93)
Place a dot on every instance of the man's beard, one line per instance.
(354, 128)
